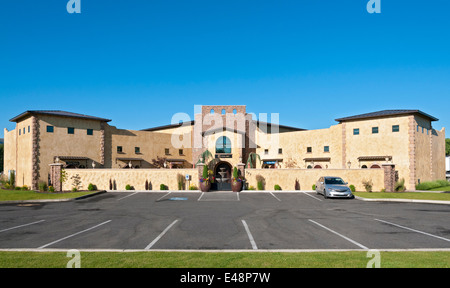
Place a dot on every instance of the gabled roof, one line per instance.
(386, 113)
(57, 113)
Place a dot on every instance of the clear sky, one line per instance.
(138, 62)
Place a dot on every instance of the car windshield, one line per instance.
(334, 181)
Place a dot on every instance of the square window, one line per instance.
(119, 149)
(90, 132)
(326, 148)
(180, 152)
(395, 128)
(266, 151)
(356, 131)
(308, 149)
(137, 150)
(374, 130)
(50, 129)
(167, 151)
(280, 150)
(70, 130)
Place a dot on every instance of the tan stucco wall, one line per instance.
(60, 143)
(9, 151)
(133, 177)
(307, 177)
(151, 144)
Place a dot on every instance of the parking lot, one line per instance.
(223, 221)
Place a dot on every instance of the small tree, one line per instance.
(76, 182)
(367, 185)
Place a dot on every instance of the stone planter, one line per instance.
(236, 186)
(205, 186)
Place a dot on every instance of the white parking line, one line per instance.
(340, 235)
(127, 196)
(200, 196)
(414, 230)
(311, 196)
(67, 237)
(250, 237)
(149, 246)
(24, 225)
(275, 196)
(162, 196)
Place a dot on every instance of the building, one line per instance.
(404, 139)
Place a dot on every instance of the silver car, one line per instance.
(330, 186)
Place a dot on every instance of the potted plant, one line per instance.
(236, 181)
(205, 183)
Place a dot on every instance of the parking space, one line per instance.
(223, 220)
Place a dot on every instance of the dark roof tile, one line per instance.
(386, 113)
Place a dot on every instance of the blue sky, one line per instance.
(139, 62)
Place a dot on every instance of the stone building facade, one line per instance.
(401, 143)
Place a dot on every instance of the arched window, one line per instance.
(317, 167)
(375, 166)
(364, 167)
(223, 145)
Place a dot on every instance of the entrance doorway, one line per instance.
(222, 173)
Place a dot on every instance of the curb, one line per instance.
(50, 200)
(403, 200)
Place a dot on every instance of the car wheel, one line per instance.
(325, 194)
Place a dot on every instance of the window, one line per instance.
(20, 132)
(374, 130)
(266, 151)
(423, 130)
(223, 112)
(24, 131)
(417, 128)
(180, 152)
(280, 150)
(90, 132)
(223, 145)
(167, 151)
(137, 150)
(29, 129)
(308, 149)
(119, 149)
(356, 131)
(395, 128)
(50, 129)
(70, 130)
(326, 148)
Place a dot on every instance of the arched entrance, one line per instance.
(222, 173)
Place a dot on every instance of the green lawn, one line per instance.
(354, 259)
(15, 195)
(405, 195)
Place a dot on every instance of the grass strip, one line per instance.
(405, 195)
(352, 259)
(17, 195)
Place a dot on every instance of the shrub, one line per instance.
(12, 179)
(400, 186)
(297, 185)
(180, 181)
(261, 182)
(17, 188)
(193, 187)
(314, 187)
(74, 189)
(367, 185)
(129, 187)
(92, 187)
(51, 189)
(42, 186)
(432, 185)
(251, 188)
(163, 187)
(205, 172)
(277, 187)
(352, 188)
(24, 188)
